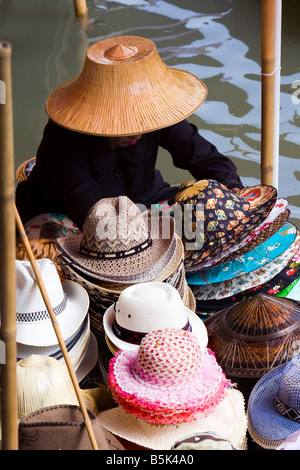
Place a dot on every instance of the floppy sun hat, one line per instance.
(146, 307)
(274, 405)
(68, 299)
(168, 379)
(218, 218)
(125, 88)
(228, 419)
(117, 240)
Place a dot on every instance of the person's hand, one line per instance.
(235, 190)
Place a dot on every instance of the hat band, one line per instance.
(42, 314)
(287, 411)
(118, 254)
(135, 337)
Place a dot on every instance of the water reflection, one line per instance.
(219, 41)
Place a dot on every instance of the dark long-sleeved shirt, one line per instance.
(73, 170)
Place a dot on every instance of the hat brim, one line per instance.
(278, 216)
(137, 94)
(263, 254)
(261, 200)
(165, 405)
(267, 426)
(42, 333)
(198, 329)
(244, 282)
(227, 419)
(89, 359)
(148, 259)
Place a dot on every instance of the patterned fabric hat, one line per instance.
(283, 284)
(117, 241)
(263, 254)
(168, 379)
(274, 405)
(243, 282)
(259, 235)
(255, 336)
(146, 307)
(219, 217)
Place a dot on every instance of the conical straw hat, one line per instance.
(125, 88)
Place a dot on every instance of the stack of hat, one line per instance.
(254, 336)
(146, 307)
(248, 243)
(171, 387)
(35, 332)
(118, 247)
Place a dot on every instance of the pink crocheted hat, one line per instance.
(168, 379)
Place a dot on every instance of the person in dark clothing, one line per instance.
(87, 154)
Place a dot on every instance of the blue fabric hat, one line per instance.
(274, 405)
(254, 259)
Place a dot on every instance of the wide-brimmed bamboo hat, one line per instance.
(125, 88)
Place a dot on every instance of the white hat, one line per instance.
(68, 299)
(228, 419)
(146, 307)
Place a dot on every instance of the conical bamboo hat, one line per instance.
(125, 88)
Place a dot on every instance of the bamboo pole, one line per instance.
(9, 408)
(271, 17)
(56, 327)
(80, 7)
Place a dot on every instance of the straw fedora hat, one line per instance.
(146, 307)
(228, 419)
(125, 88)
(168, 379)
(117, 241)
(62, 427)
(68, 299)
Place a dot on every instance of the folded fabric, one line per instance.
(219, 290)
(259, 256)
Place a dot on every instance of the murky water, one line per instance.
(217, 40)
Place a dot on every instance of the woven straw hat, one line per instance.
(69, 302)
(255, 335)
(219, 217)
(167, 379)
(117, 241)
(42, 381)
(125, 88)
(146, 307)
(228, 418)
(274, 405)
(62, 427)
